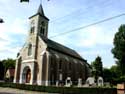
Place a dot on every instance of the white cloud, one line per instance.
(88, 37)
(6, 40)
(62, 40)
(17, 27)
(93, 36)
(5, 1)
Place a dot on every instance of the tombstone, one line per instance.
(90, 81)
(68, 82)
(100, 81)
(57, 83)
(79, 82)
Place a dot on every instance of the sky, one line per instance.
(65, 16)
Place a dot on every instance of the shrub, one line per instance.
(62, 90)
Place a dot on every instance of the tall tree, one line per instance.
(97, 67)
(119, 48)
(115, 71)
(9, 63)
(107, 75)
(1, 70)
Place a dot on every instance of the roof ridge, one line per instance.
(62, 45)
(61, 48)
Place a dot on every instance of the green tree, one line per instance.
(115, 71)
(8, 63)
(97, 67)
(112, 75)
(107, 75)
(1, 70)
(119, 48)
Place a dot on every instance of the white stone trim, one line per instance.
(29, 60)
(31, 66)
(67, 58)
(18, 57)
(57, 56)
(42, 53)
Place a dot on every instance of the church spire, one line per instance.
(40, 10)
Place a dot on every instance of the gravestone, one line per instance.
(57, 83)
(68, 82)
(100, 81)
(79, 82)
(90, 81)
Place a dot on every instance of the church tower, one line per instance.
(39, 23)
(28, 58)
(38, 27)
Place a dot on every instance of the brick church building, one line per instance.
(43, 61)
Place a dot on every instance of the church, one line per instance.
(42, 61)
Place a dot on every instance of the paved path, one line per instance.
(18, 91)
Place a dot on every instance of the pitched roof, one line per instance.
(61, 48)
(40, 10)
(11, 71)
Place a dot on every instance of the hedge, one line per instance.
(61, 90)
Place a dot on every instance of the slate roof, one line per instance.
(40, 12)
(61, 48)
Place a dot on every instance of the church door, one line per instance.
(26, 76)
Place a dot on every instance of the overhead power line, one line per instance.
(81, 11)
(82, 27)
(85, 10)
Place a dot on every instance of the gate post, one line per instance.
(121, 88)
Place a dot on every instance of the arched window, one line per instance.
(42, 28)
(30, 50)
(26, 75)
(32, 27)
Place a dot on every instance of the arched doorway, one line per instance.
(26, 75)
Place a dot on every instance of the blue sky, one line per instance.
(64, 15)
